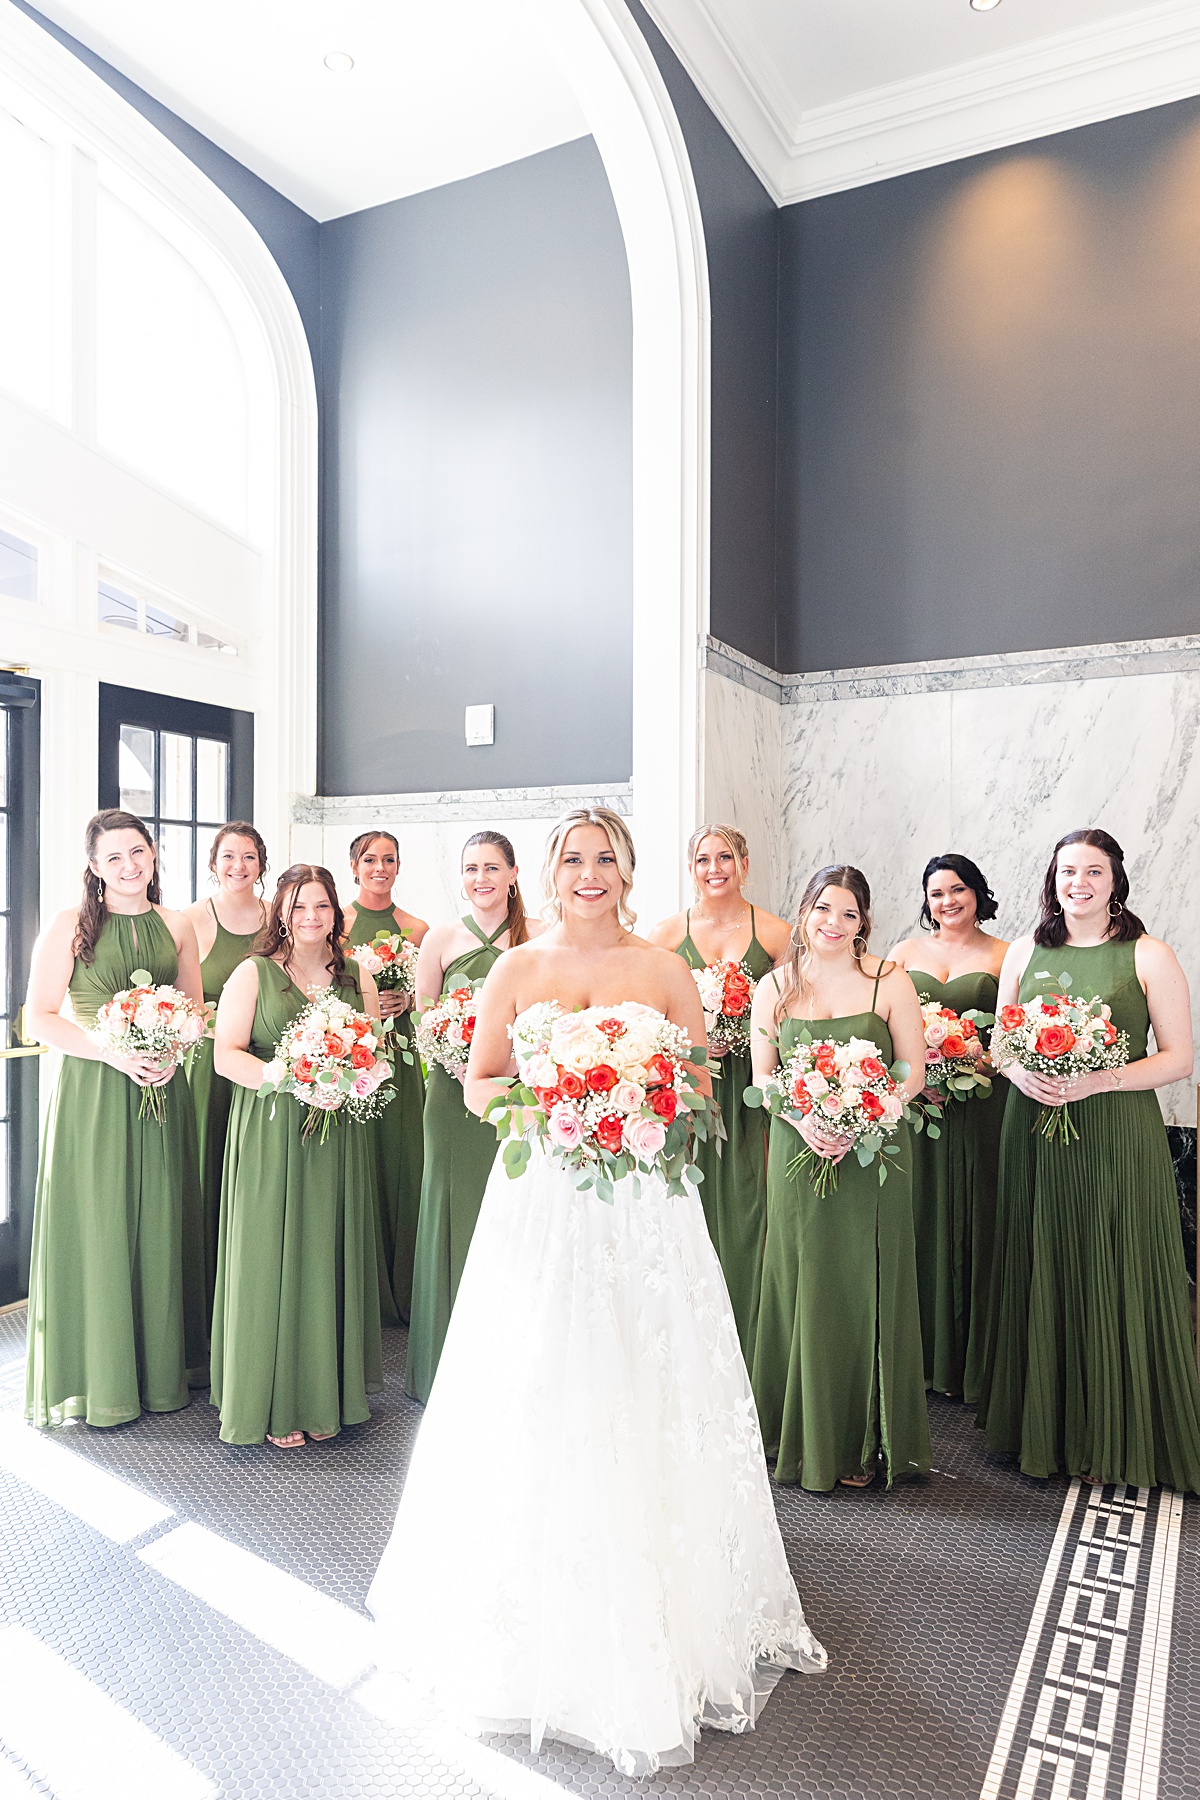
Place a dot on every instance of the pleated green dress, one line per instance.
(838, 1374)
(295, 1343)
(116, 1285)
(954, 1210)
(396, 1138)
(734, 1189)
(213, 1095)
(1090, 1366)
(459, 1152)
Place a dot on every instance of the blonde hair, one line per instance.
(729, 834)
(842, 875)
(617, 832)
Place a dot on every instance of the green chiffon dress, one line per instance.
(116, 1286)
(734, 1189)
(954, 1210)
(295, 1341)
(838, 1376)
(212, 1094)
(1090, 1367)
(396, 1138)
(459, 1152)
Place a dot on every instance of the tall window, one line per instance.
(19, 753)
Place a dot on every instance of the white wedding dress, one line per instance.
(586, 1546)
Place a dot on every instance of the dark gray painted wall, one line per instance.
(477, 542)
(990, 402)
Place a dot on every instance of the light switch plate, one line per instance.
(481, 724)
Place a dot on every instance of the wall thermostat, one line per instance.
(481, 725)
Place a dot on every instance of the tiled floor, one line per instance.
(923, 1597)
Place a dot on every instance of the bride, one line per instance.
(586, 1546)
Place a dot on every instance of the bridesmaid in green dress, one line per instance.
(837, 1371)
(296, 1344)
(954, 1175)
(459, 1148)
(723, 927)
(1090, 1365)
(396, 1135)
(226, 928)
(116, 1287)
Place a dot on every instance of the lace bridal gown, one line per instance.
(586, 1546)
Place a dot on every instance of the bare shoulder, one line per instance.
(1020, 951)
(534, 928)
(891, 974)
(242, 980)
(438, 936)
(773, 933)
(196, 913)
(1154, 957)
(669, 932)
(906, 952)
(415, 927)
(177, 923)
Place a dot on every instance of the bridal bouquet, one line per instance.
(390, 959)
(850, 1090)
(612, 1091)
(954, 1050)
(445, 1029)
(726, 990)
(145, 1020)
(1055, 1035)
(332, 1059)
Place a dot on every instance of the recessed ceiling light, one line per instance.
(984, 5)
(341, 63)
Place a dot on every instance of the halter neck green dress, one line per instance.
(116, 1286)
(212, 1094)
(459, 1152)
(295, 1342)
(396, 1137)
(838, 1375)
(954, 1210)
(1090, 1365)
(734, 1189)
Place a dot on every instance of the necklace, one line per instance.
(741, 918)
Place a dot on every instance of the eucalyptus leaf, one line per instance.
(864, 1155)
(932, 1130)
(753, 1096)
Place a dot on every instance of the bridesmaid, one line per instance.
(954, 1175)
(459, 1148)
(226, 927)
(837, 1360)
(375, 861)
(116, 1289)
(1090, 1365)
(724, 927)
(296, 1344)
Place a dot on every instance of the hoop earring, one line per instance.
(1056, 912)
(1119, 911)
(512, 892)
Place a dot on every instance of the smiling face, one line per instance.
(1083, 883)
(377, 868)
(716, 871)
(487, 878)
(952, 901)
(309, 916)
(587, 880)
(237, 864)
(124, 861)
(833, 922)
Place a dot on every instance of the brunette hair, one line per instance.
(368, 837)
(842, 875)
(92, 910)
(1123, 926)
(517, 930)
(728, 833)
(239, 828)
(966, 870)
(618, 834)
(276, 934)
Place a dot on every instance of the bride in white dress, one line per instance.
(586, 1546)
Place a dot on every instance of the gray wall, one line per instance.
(477, 543)
(990, 402)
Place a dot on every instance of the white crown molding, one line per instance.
(1072, 78)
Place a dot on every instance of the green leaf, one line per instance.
(512, 1153)
(753, 1096)
(865, 1156)
(882, 1173)
(932, 1130)
(141, 978)
(698, 1054)
(695, 1102)
(900, 1071)
(873, 1142)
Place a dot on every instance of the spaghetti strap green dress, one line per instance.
(459, 1152)
(116, 1285)
(295, 1343)
(212, 1094)
(396, 1137)
(734, 1189)
(1090, 1367)
(838, 1375)
(954, 1210)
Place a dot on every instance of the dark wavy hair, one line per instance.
(966, 870)
(92, 910)
(1124, 926)
(239, 828)
(517, 931)
(276, 934)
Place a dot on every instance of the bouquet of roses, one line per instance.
(726, 990)
(613, 1093)
(332, 1059)
(1055, 1035)
(390, 959)
(850, 1091)
(145, 1020)
(445, 1029)
(954, 1050)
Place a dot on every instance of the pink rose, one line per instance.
(627, 1097)
(324, 1096)
(645, 1137)
(566, 1128)
(367, 1080)
(893, 1109)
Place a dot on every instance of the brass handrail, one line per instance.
(24, 1044)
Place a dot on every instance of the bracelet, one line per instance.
(1118, 1079)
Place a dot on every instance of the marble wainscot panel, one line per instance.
(742, 774)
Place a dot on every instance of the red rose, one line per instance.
(736, 983)
(303, 1070)
(571, 1085)
(872, 1106)
(968, 1028)
(361, 1057)
(612, 1028)
(362, 1028)
(333, 1045)
(468, 1028)
(602, 1079)
(608, 1132)
(872, 1066)
(947, 1012)
(1055, 1040)
(658, 1070)
(461, 994)
(1049, 1010)
(804, 1103)
(665, 1102)
(1110, 1032)
(1012, 1018)
(548, 1097)
(385, 953)
(735, 1005)
(954, 1044)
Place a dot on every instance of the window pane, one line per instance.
(212, 794)
(117, 607)
(175, 776)
(135, 763)
(164, 624)
(206, 641)
(18, 568)
(175, 864)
